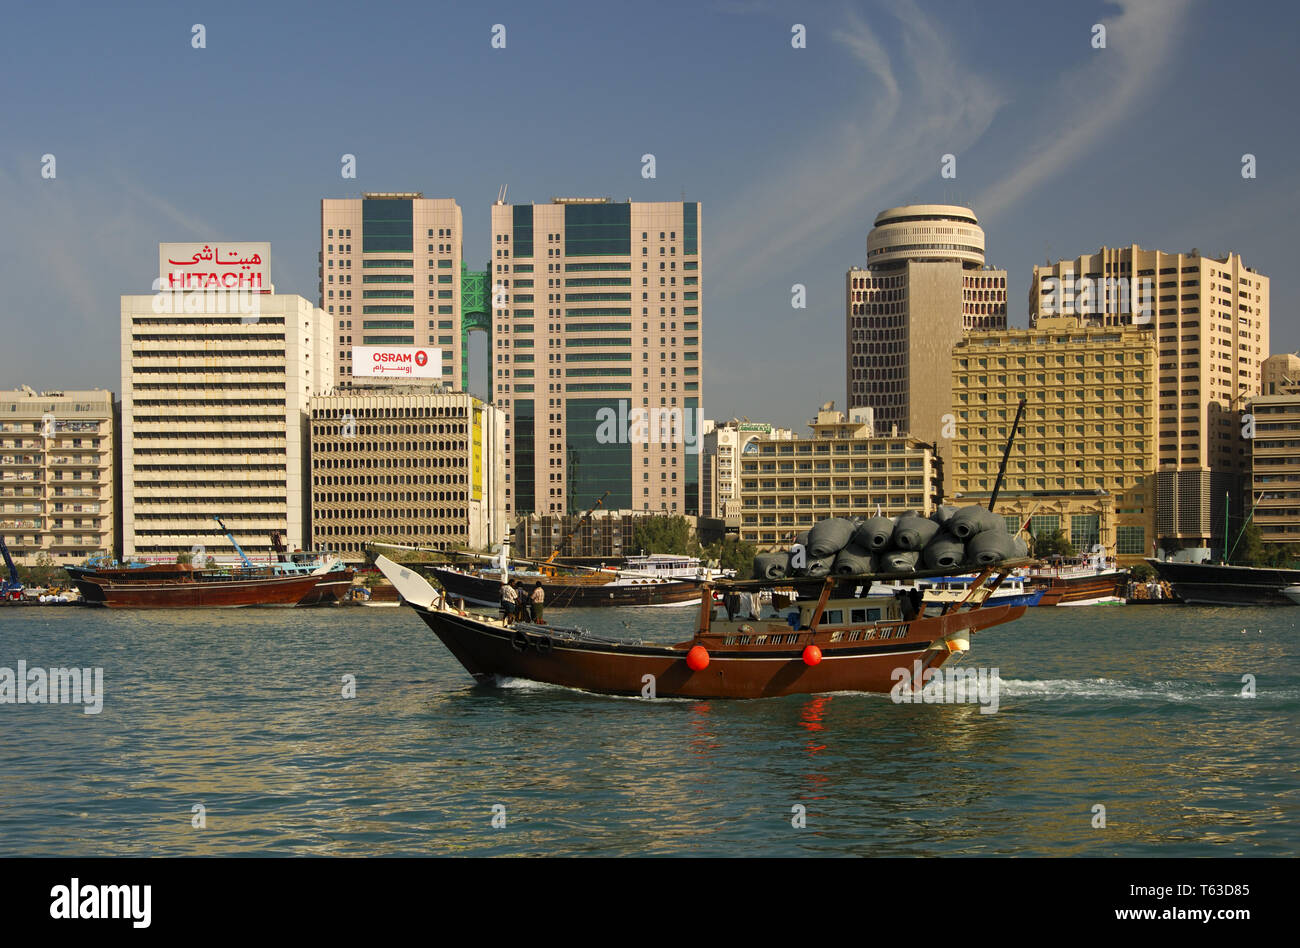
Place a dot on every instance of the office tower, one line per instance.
(1210, 318)
(408, 465)
(391, 273)
(596, 353)
(925, 284)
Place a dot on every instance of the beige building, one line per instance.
(1210, 317)
(1084, 458)
(1275, 461)
(724, 446)
(842, 470)
(215, 393)
(925, 284)
(390, 274)
(596, 335)
(406, 465)
(57, 463)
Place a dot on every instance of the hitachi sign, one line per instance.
(215, 266)
(213, 281)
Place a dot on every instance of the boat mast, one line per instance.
(1227, 500)
(1006, 453)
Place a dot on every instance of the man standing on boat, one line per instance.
(509, 602)
(521, 603)
(538, 599)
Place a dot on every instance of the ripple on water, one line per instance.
(242, 713)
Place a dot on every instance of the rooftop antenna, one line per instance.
(501, 193)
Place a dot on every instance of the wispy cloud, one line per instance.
(914, 104)
(79, 235)
(1140, 41)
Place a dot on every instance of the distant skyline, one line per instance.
(1060, 148)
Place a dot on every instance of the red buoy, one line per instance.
(812, 655)
(697, 659)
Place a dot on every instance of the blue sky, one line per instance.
(1060, 147)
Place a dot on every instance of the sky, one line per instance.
(1060, 147)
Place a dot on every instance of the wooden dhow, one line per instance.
(840, 638)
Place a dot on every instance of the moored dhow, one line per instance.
(594, 588)
(217, 588)
(1215, 584)
(836, 640)
(302, 580)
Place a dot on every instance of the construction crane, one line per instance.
(11, 588)
(238, 549)
(548, 563)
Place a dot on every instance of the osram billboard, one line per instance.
(413, 362)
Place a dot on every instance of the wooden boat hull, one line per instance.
(1212, 584)
(1082, 590)
(489, 651)
(270, 591)
(485, 591)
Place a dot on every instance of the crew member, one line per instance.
(509, 602)
(538, 599)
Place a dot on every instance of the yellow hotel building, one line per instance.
(1084, 458)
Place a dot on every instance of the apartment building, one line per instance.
(843, 469)
(1275, 459)
(724, 445)
(58, 457)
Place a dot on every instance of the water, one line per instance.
(1136, 709)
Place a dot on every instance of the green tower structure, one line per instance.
(475, 316)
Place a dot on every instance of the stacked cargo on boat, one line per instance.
(965, 538)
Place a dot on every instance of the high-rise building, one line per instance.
(1083, 461)
(596, 353)
(391, 273)
(724, 445)
(1210, 318)
(58, 458)
(925, 283)
(406, 465)
(1275, 459)
(216, 386)
(843, 470)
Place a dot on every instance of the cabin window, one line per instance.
(834, 616)
(873, 615)
(858, 615)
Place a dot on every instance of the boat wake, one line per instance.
(523, 684)
(1110, 689)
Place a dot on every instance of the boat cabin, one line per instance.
(846, 620)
